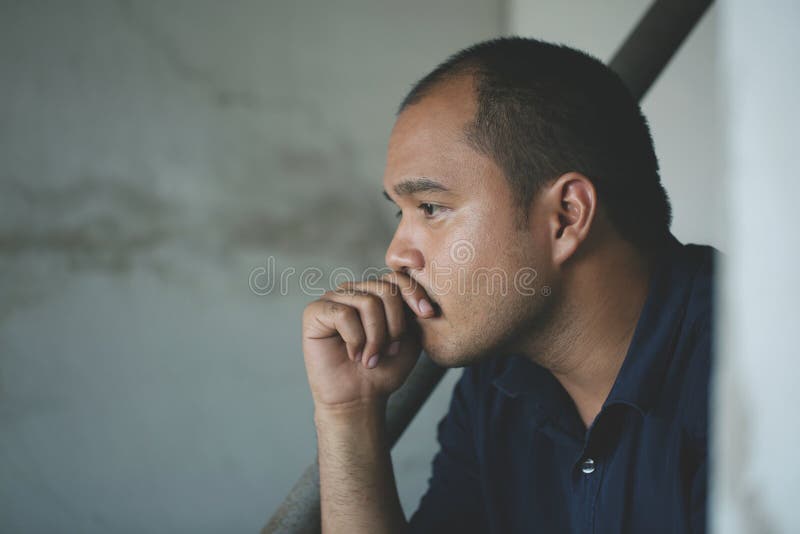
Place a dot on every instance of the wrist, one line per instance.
(358, 413)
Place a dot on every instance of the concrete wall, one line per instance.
(757, 429)
(152, 154)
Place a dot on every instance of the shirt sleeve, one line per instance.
(454, 499)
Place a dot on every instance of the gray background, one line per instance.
(152, 155)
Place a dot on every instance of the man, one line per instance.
(533, 248)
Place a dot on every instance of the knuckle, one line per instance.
(389, 290)
(396, 293)
(333, 307)
(348, 314)
(343, 286)
(372, 303)
(388, 278)
(312, 308)
(396, 330)
(376, 326)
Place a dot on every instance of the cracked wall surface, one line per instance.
(152, 154)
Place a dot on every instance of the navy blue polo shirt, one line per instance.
(515, 456)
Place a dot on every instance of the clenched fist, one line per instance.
(361, 340)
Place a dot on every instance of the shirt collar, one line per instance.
(639, 380)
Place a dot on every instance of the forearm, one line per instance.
(356, 478)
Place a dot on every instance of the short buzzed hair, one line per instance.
(544, 110)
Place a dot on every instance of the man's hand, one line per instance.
(361, 340)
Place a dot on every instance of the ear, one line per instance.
(571, 203)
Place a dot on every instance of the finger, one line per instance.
(327, 318)
(393, 305)
(373, 319)
(412, 292)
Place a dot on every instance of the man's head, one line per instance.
(515, 155)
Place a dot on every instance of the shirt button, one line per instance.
(588, 466)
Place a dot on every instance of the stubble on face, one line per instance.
(484, 322)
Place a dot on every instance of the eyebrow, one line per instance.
(417, 185)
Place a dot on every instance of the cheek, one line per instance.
(477, 241)
(494, 238)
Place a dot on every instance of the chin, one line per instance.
(447, 357)
(442, 360)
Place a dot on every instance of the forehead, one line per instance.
(429, 139)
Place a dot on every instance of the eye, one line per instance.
(430, 209)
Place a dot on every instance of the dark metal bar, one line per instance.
(654, 40)
(299, 513)
(639, 61)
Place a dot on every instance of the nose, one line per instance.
(402, 255)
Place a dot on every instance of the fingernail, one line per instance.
(372, 361)
(358, 356)
(424, 306)
(394, 348)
